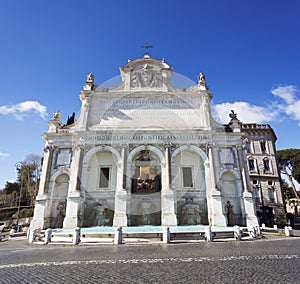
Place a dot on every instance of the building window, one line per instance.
(187, 177)
(248, 147)
(263, 146)
(271, 195)
(266, 165)
(104, 177)
(256, 194)
(251, 165)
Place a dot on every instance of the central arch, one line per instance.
(144, 186)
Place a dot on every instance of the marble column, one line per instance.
(248, 201)
(76, 169)
(74, 199)
(168, 216)
(85, 109)
(168, 166)
(120, 216)
(42, 200)
(216, 216)
(212, 167)
(123, 166)
(242, 163)
(47, 164)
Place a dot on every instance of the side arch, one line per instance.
(232, 201)
(190, 181)
(192, 148)
(58, 200)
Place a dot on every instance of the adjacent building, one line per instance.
(149, 153)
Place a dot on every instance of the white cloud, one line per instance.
(287, 93)
(246, 112)
(292, 104)
(22, 109)
(2, 154)
(277, 110)
(293, 110)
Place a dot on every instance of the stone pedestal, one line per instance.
(168, 217)
(120, 216)
(38, 220)
(251, 218)
(71, 219)
(216, 216)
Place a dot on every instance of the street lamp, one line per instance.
(19, 167)
(261, 194)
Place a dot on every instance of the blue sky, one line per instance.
(248, 50)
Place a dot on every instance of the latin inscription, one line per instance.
(158, 138)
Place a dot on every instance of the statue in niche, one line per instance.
(100, 215)
(191, 213)
(61, 213)
(229, 214)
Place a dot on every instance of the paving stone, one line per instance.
(262, 261)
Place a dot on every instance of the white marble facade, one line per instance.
(144, 153)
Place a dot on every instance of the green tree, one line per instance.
(289, 164)
(9, 195)
(25, 188)
(29, 177)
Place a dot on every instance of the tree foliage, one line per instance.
(25, 189)
(289, 164)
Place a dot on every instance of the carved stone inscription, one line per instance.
(226, 156)
(64, 157)
(144, 138)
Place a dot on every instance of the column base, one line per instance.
(251, 218)
(38, 220)
(70, 222)
(217, 217)
(168, 220)
(120, 221)
(71, 219)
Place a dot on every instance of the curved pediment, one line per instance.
(145, 73)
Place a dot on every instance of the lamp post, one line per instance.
(261, 194)
(19, 167)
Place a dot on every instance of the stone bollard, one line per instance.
(208, 234)
(258, 231)
(276, 227)
(166, 235)
(48, 235)
(237, 233)
(118, 236)
(32, 235)
(288, 231)
(252, 232)
(263, 225)
(28, 233)
(76, 236)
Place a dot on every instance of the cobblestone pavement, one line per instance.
(260, 261)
